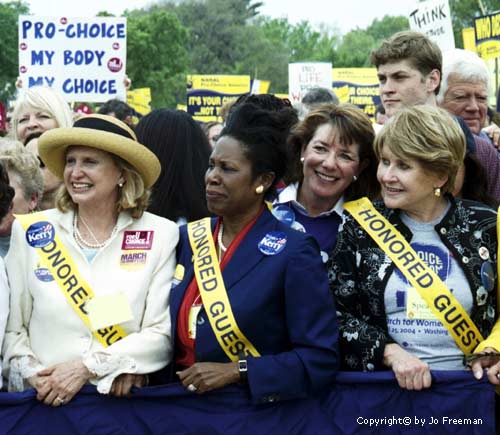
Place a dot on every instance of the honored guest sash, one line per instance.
(213, 292)
(41, 235)
(433, 291)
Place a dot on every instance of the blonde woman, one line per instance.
(383, 323)
(98, 252)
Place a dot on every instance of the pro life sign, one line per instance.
(83, 58)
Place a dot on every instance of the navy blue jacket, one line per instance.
(281, 304)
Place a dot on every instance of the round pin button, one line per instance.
(488, 275)
(284, 214)
(272, 243)
(484, 253)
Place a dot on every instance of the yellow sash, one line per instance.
(213, 292)
(41, 235)
(440, 300)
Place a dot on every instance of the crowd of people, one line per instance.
(270, 251)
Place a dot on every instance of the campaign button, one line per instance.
(137, 240)
(272, 243)
(488, 275)
(43, 274)
(40, 234)
(484, 253)
(284, 214)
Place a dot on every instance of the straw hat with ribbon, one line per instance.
(102, 132)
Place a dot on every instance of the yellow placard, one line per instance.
(487, 32)
(140, 100)
(358, 86)
(469, 39)
(223, 84)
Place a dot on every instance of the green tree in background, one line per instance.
(157, 56)
(214, 26)
(9, 13)
(173, 38)
(463, 13)
(269, 45)
(355, 48)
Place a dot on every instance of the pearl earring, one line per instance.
(120, 184)
(302, 160)
(259, 189)
(354, 178)
(437, 191)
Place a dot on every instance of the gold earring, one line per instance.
(259, 189)
(437, 191)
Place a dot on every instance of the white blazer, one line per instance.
(43, 329)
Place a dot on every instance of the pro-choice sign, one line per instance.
(83, 58)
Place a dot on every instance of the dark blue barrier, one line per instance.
(361, 403)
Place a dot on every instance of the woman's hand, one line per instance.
(491, 364)
(207, 376)
(411, 372)
(123, 384)
(39, 383)
(61, 382)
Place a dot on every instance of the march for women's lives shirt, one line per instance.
(410, 321)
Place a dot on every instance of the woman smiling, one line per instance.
(90, 279)
(332, 160)
(390, 278)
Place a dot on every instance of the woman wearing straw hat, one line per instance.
(90, 279)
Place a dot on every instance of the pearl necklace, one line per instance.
(222, 248)
(82, 242)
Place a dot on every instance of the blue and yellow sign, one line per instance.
(206, 94)
(358, 86)
(487, 31)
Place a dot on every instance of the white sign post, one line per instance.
(306, 75)
(83, 58)
(433, 18)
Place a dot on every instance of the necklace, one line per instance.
(222, 248)
(82, 242)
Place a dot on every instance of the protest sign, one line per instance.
(260, 86)
(83, 58)
(433, 18)
(487, 32)
(306, 75)
(469, 39)
(140, 100)
(206, 94)
(358, 86)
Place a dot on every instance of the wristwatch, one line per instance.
(243, 370)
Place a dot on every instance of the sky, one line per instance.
(344, 15)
